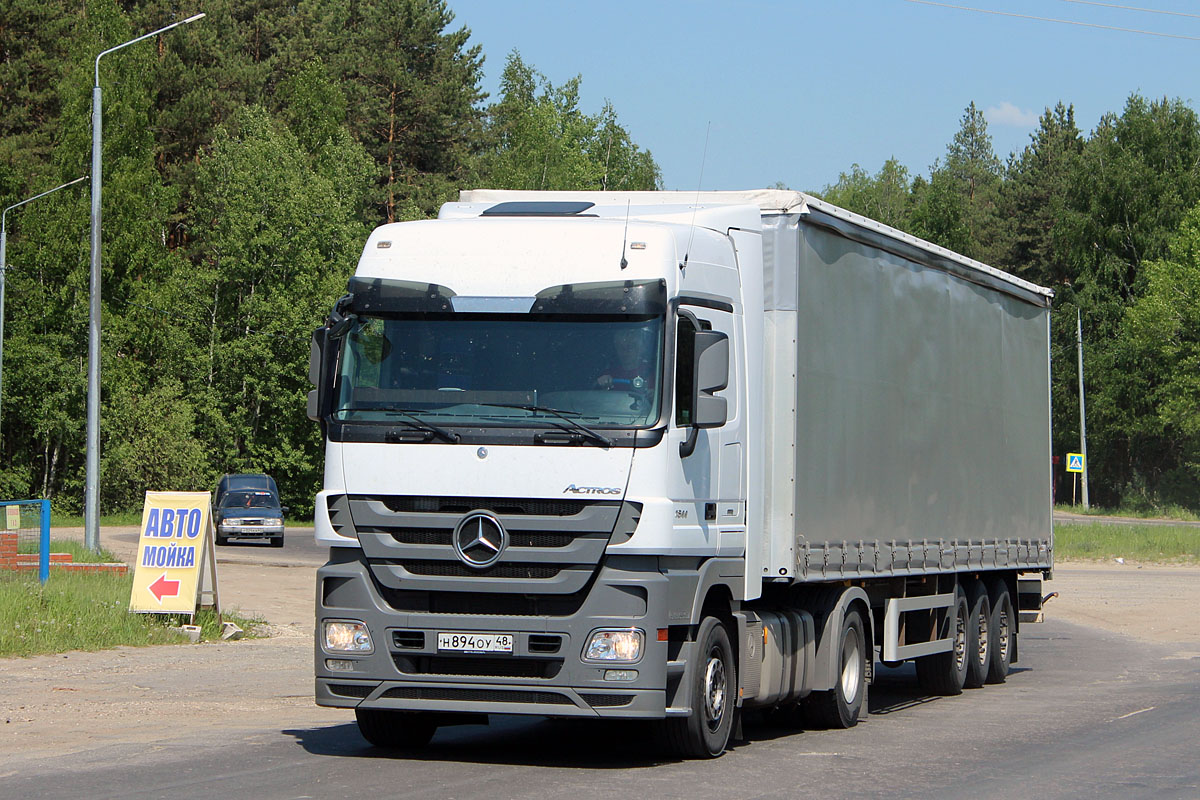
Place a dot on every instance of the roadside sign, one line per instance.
(1074, 462)
(174, 547)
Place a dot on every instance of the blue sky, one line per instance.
(799, 91)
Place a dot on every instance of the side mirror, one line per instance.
(284, 510)
(318, 375)
(712, 375)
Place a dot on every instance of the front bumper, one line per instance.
(545, 674)
(250, 531)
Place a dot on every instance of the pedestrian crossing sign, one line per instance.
(1074, 462)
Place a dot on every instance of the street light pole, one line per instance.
(91, 502)
(1082, 412)
(4, 263)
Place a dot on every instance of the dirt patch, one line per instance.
(1150, 602)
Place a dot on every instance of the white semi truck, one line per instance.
(672, 456)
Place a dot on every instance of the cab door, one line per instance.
(707, 473)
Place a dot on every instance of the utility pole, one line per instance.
(91, 489)
(1082, 411)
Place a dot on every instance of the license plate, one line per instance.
(475, 642)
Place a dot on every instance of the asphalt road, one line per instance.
(1086, 714)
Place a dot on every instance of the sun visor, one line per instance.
(642, 298)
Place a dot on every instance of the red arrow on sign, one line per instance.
(164, 588)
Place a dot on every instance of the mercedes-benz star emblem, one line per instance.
(479, 539)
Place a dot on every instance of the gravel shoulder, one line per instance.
(91, 705)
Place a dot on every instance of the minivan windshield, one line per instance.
(248, 500)
(502, 369)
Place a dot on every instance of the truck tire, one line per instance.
(841, 706)
(713, 693)
(276, 541)
(1003, 628)
(222, 540)
(395, 730)
(946, 673)
(979, 639)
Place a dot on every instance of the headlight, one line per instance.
(273, 521)
(614, 645)
(347, 637)
(230, 523)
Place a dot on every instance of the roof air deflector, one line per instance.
(538, 208)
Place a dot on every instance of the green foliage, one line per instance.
(884, 196)
(246, 156)
(957, 207)
(545, 141)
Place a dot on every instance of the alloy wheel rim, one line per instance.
(851, 666)
(714, 689)
(982, 633)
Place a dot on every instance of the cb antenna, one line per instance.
(699, 184)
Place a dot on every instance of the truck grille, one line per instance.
(414, 536)
(554, 546)
(497, 505)
(480, 667)
(485, 603)
(457, 570)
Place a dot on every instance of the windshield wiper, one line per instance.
(573, 424)
(417, 422)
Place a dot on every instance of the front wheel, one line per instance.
(395, 730)
(713, 689)
(277, 541)
(841, 706)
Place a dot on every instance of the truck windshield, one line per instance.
(494, 369)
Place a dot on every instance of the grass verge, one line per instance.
(79, 553)
(1160, 543)
(1136, 512)
(77, 611)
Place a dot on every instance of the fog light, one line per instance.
(620, 674)
(347, 637)
(339, 665)
(618, 645)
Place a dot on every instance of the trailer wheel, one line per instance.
(946, 673)
(841, 706)
(1003, 623)
(979, 638)
(713, 692)
(395, 730)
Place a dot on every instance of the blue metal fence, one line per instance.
(30, 521)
